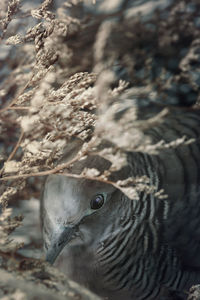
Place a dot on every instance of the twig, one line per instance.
(14, 101)
(16, 147)
(14, 150)
(52, 171)
(57, 169)
(44, 173)
(19, 107)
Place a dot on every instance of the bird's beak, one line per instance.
(60, 238)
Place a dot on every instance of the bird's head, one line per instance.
(71, 211)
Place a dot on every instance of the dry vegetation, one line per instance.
(66, 72)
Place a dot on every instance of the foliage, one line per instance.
(75, 84)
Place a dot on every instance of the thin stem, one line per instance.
(10, 157)
(14, 101)
(16, 147)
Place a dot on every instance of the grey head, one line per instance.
(75, 212)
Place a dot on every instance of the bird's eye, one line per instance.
(97, 201)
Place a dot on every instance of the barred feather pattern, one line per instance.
(150, 249)
(140, 257)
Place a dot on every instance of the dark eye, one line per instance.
(97, 202)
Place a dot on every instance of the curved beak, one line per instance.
(60, 238)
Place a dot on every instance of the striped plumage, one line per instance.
(130, 249)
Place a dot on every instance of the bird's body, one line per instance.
(132, 249)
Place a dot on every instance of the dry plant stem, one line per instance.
(14, 150)
(56, 170)
(100, 179)
(18, 108)
(16, 147)
(44, 173)
(14, 101)
(52, 171)
(61, 167)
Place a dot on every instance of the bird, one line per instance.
(121, 248)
